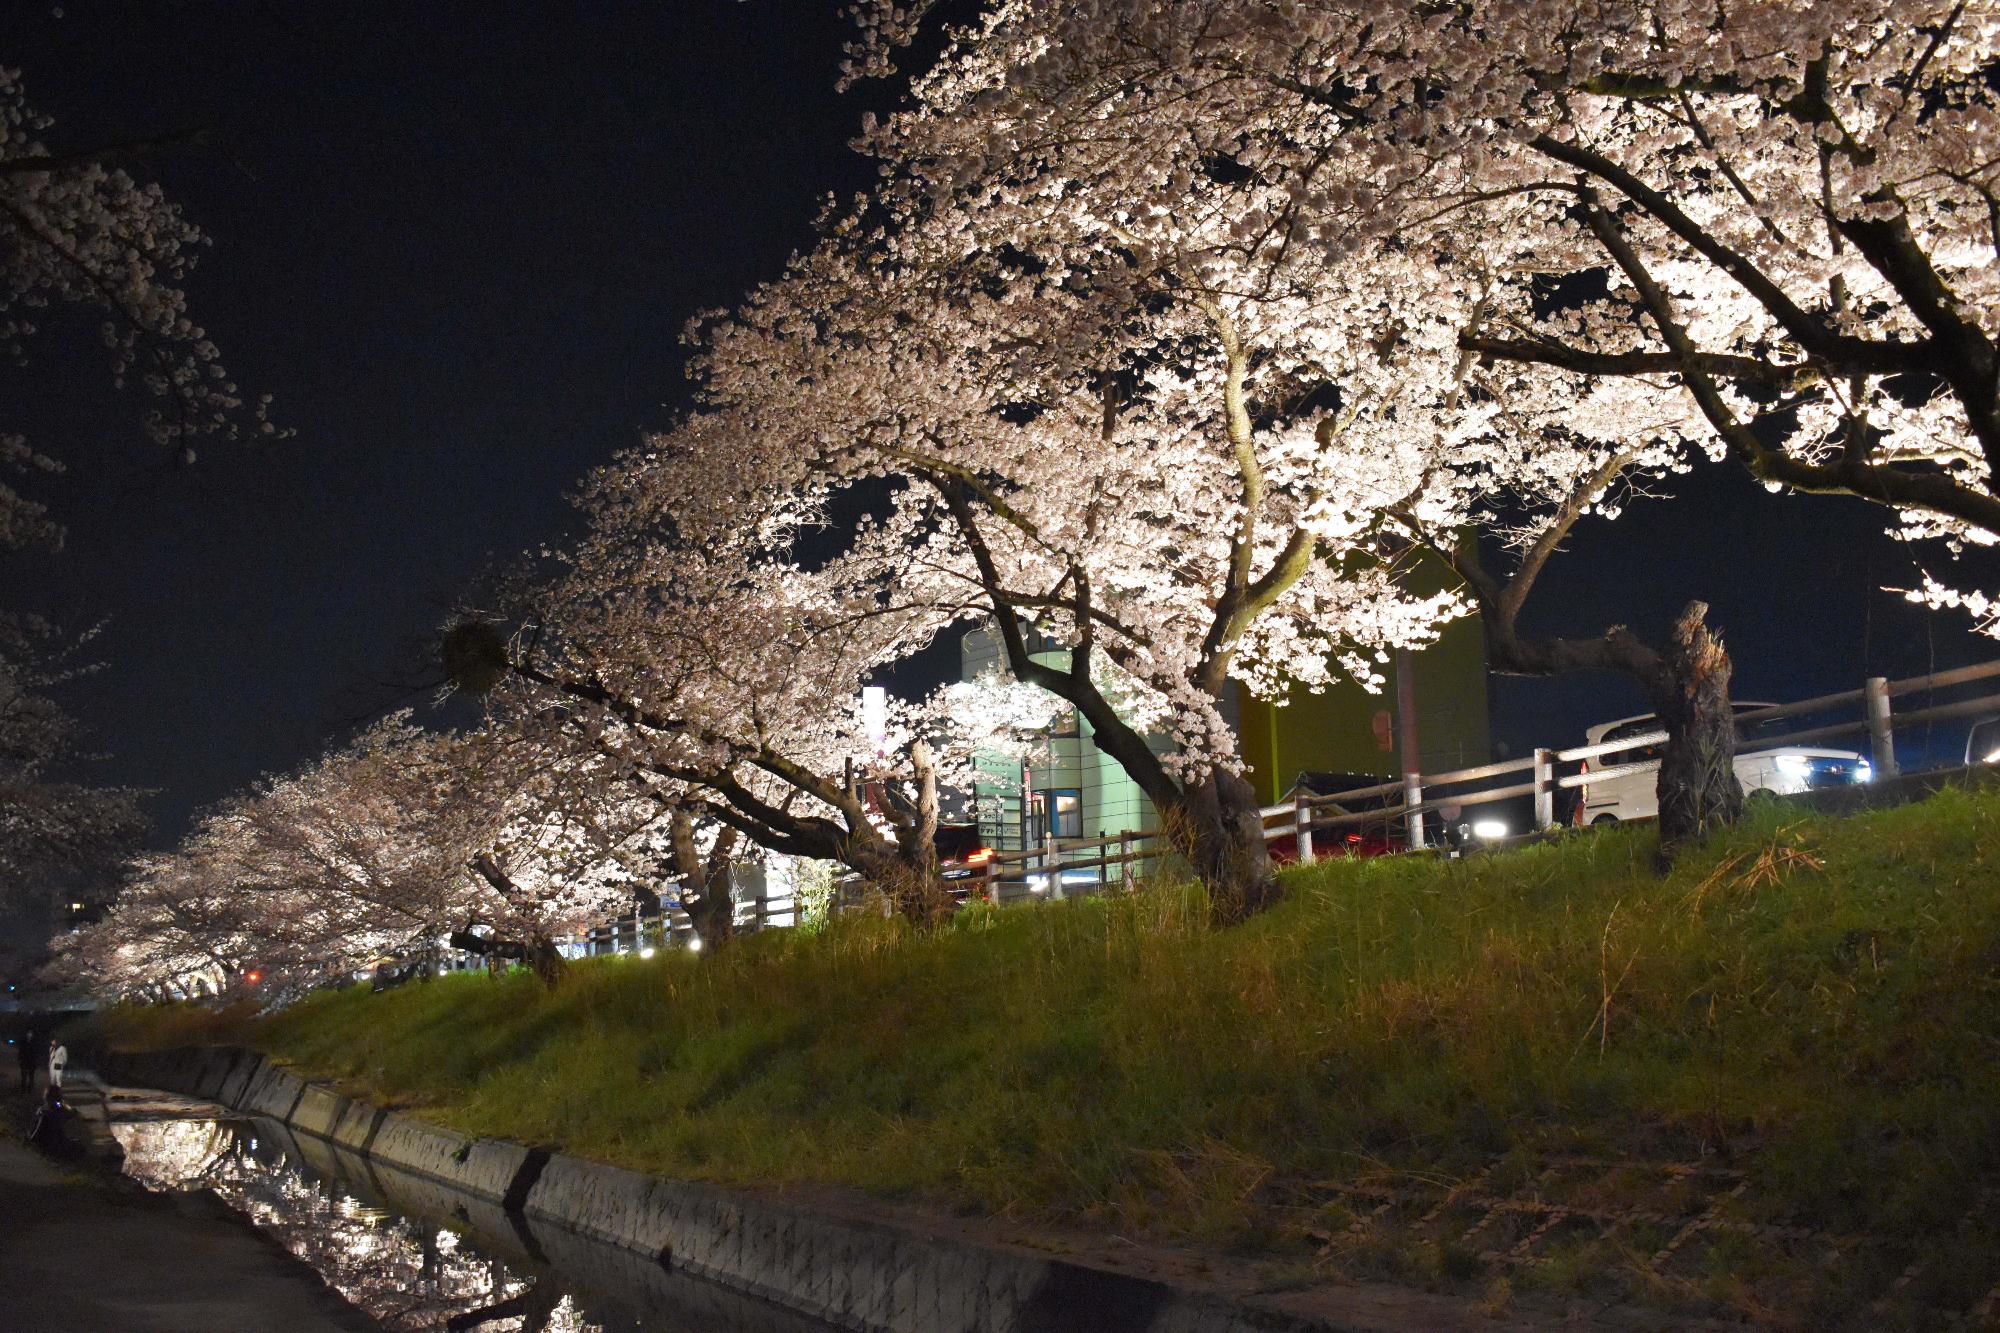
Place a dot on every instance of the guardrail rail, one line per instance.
(1406, 800)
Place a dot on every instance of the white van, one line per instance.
(1779, 771)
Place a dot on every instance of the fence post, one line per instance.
(1125, 859)
(1413, 818)
(1052, 873)
(1302, 820)
(993, 878)
(1881, 733)
(1545, 789)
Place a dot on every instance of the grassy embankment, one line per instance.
(1811, 1001)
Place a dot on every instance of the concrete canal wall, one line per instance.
(848, 1269)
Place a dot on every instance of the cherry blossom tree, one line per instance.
(1113, 426)
(182, 924)
(723, 675)
(313, 874)
(77, 230)
(382, 849)
(1780, 216)
(1786, 209)
(53, 832)
(561, 842)
(1776, 217)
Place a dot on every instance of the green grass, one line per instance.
(1814, 1002)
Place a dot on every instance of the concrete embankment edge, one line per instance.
(853, 1272)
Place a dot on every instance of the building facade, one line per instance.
(1070, 789)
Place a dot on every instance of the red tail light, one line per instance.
(979, 856)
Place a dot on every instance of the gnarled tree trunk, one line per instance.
(1218, 826)
(1698, 789)
(920, 894)
(905, 868)
(546, 961)
(907, 875)
(705, 885)
(543, 958)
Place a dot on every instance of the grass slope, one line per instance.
(1811, 1001)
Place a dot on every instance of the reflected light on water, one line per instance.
(409, 1276)
(419, 1257)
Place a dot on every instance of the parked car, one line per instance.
(962, 854)
(1982, 743)
(1773, 769)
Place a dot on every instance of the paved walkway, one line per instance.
(84, 1251)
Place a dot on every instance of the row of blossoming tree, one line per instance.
(79, 235)
(1176, 329)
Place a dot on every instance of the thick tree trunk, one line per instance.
(1688, 686)
(1217, 826)
(546, 960)
(1698, 790)
(907, 876)
(542, 956)
(922, 897)
(713, 914)
(904, 867)
(705, 884)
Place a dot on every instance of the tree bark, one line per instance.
(705, 885)
(1688, 684)
(1218, 826)
(920, 895)
(908, 878)
(1688, 687)
(543, 957)
(546, 960)
(1698, 789)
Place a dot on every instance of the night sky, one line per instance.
(458, 243)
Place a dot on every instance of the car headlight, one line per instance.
(1490, 828)
(1797, 765)
(1864, 771)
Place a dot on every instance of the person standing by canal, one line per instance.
(24, 1054)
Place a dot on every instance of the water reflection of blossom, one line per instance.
(174, 1154)
(407, 1275)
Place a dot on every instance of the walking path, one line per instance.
(86, 1251)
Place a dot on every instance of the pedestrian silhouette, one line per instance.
(24, 1055)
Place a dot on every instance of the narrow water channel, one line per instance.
(415, 1255)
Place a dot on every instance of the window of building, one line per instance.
(1066, 806)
